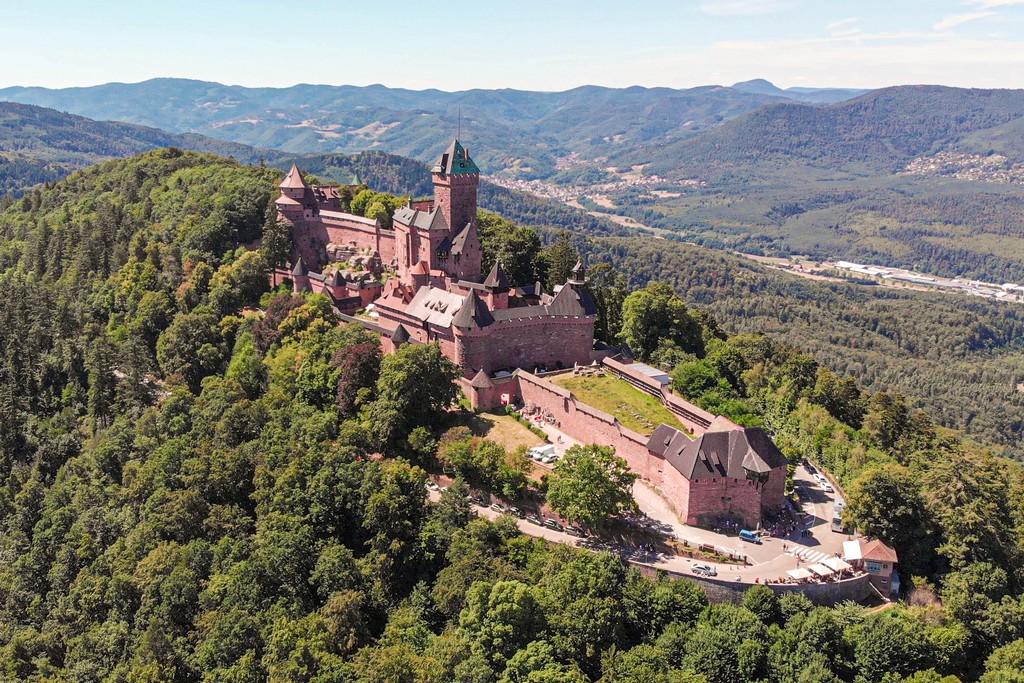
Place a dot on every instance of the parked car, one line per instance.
(477, 499)
(574, 530)
(553, 524)
(548, 459)
(827, 487)
(498, 507)
(704, 570)
(750, 536)
(432, 485)
(810, 468)
(515, 511)
(534, 519)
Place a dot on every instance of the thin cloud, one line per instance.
(737, 8)
(958, 19)
(844, 27)
(992, 4)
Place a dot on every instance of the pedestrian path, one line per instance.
(808, 555)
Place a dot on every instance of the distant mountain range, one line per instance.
(877, 132)
(916, 176)
(760, 86)
(39, 145)
(522, 131)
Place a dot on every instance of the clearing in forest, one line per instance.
(503, 429)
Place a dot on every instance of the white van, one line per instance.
(540, 452)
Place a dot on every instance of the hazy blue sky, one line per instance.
(529, 44)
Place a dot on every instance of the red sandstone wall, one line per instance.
(587, 424)
(528, 343)
(774, 493)
(387, 247)
(456, 195)
(676, 490)
(706, 496)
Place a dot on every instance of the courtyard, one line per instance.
(633, 408)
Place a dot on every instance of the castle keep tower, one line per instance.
(443, 237)
(456, 177)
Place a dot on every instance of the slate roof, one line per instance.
(455, 161)
(520, 312)
(400, 335)
(423, 220)
(473, 313)
(717, 454)
(294, 180)
(459, 241)
(335, 279)
(481, 381)
(573, 299)
(300, 268)
(497, 278)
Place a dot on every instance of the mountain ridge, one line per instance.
(591, 121)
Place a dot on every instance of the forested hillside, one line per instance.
(206, 481)
(959, 359)
(40, 145)
(877, 132)
(837, 182)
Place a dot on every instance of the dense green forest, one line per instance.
(958, 358)
(206, 481)
(39, 145)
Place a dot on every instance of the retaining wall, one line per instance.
(857, 588)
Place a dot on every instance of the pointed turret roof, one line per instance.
(574, 299)
(481, 381)
(455, 161)
(300, 268)
(473, 313)
(294, 180)
(579, 274)
(400, 335)
(497, 278)
(336, 279)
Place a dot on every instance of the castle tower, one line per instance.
(497, 285)
(456, 177)
(297, 201)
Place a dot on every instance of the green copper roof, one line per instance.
(455, 161)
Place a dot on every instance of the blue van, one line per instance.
(750, 536)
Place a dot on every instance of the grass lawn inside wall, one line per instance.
(617, 397)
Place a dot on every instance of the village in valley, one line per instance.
(717, 501)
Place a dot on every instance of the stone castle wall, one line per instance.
(690, 499)
(711, 496)
(312, 235)
(527, 343)
(827, 594)
(582, 422)
(695, 419)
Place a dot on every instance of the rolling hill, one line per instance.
(528, 132)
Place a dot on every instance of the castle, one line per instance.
(484, 324)
(498, 333)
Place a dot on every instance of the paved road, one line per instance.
(768, 561)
